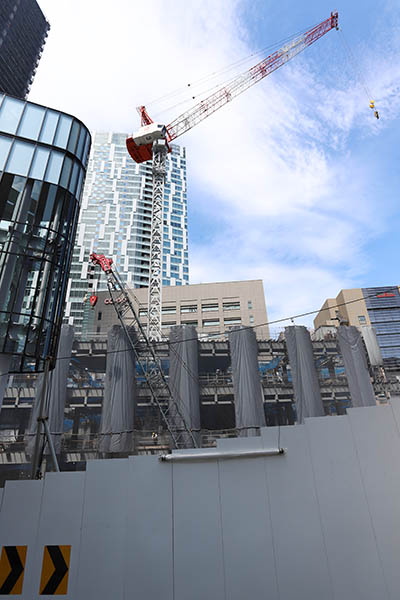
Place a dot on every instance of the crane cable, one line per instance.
(220, 72)
(358, 72)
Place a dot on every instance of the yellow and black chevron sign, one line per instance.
(55, 568)
(12, 565)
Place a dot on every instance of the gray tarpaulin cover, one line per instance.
(184, 374)
(118, 414)
(304, 374)
(56, 393)
(249, 407)
(355, 363)
(371, 343)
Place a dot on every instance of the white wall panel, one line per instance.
(344, 508)
(296, 522)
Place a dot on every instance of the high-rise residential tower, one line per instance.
(115, 220)
(23, 32)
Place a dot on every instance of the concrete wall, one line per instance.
(320, 522)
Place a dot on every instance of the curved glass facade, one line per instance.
(43, 159)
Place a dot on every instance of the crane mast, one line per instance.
(151, 142)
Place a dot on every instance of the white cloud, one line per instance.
(274, 167)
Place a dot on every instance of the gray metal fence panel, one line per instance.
(300, 552)
(344, 509)
(149, 554)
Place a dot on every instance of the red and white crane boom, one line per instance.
(151, 142)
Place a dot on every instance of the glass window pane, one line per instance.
(79, 187)
(81, 143)
(85, 152)
(31, 122)
(63, 129)
(20, 158)
(74, 136)
(54, 167)
(5, 144)
(39, 163)
(49, 127)
(10, 114)
(74, 178)
(66, 172)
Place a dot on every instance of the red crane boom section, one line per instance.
(212, 103)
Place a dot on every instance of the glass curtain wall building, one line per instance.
(43, 158)
(115, 220)
(23, 32)
(383, 305)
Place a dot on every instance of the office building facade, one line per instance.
(43, 158)
(212, 308)
(23, 32)
(115, 220)
(376, 306)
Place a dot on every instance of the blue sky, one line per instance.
(294, 182)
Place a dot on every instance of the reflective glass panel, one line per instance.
(5, 144)
(63, 129)
(20, 158)
(81, 143)
(85, 153)
(74, 178)
(66, 172)
(54, 167)
(49, 127)
(74, 136)
(39, 164)
(31, 122)
(10, 113)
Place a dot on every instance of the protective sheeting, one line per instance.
(249, 407)
(56, 394)
(371, 343)
(304, 374)
(184, 375)
(118, 414)
(355, 363)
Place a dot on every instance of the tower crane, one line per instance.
(153, 139)
(152, 142)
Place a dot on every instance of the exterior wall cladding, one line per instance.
(115, 220)
(383, 305)
(23, 32)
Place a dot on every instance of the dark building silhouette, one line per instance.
(23, 32)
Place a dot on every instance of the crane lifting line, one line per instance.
(240, 62)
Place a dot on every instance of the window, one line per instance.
(99, 315)
(361, 319)
(166, 310)
(233, 321)
(231, 305)
(20, 158)
(31, 122)
(143, 312)
(165, 325)
(190, 322)
(249, 304)
(209, 307)
(251, 319)
(189, 309)
(210, 322)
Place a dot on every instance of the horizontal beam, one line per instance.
(202, 456)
